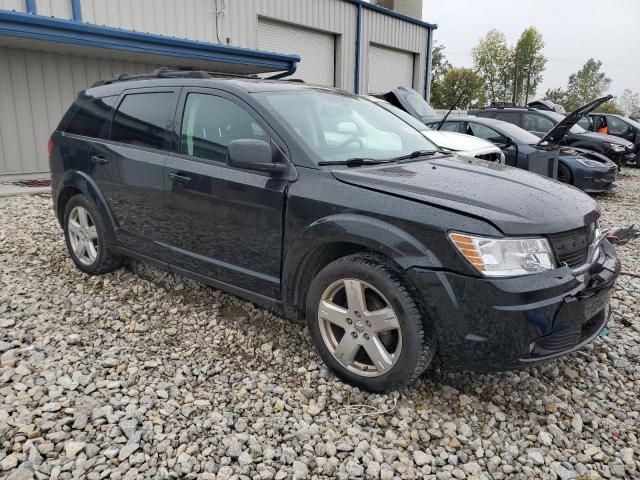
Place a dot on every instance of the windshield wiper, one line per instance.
(357, 162)
(416, 154)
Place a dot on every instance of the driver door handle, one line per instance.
(178, 178)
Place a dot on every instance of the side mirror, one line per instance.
(252, 154)
(508, 142)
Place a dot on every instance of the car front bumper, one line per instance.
(487, 324)
(590, 181)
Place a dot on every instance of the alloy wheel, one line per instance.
(83, 235)
(359, 327)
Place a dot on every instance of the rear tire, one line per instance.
(87, 238)
(368, 325)
(564, 174)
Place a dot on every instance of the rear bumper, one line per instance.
(498, 324)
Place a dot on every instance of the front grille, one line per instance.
(572, 247)
(559, 341)
(492, 157)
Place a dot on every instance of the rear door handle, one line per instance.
(179, 178)
(100, 160)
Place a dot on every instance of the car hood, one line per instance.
(603, 137)
(456, 141)
(557, 133)
(513, 200)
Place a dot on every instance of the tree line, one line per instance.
(512, 74)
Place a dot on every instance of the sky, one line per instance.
(573, 32)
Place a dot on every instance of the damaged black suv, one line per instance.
(319, 204)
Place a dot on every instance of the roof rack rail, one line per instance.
(167, 72)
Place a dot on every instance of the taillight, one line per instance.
(50, 145)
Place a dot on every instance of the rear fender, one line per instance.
(81, 181)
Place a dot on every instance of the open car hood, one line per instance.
(420, 109)
(457, 141)
(557, 133)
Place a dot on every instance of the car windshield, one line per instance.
(337, 127)
(558, 117)
(421, 107)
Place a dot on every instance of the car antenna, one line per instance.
(455, 104)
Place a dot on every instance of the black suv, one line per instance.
(318, 203)
(541, 122)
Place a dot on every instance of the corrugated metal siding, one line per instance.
(54, 8)
(194, 19)
(335, 16)
(316, 49)
(36, 89)
(389, 68)
(393, 32)
(17, 5)
(238, 20)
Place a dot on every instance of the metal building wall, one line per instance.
(17, 5)
(36, 88)
(55, 8)
(388, 31)
(197, 19)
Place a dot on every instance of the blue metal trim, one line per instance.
(391, 13)
(356, 85)
(16, 24)
(428, 65)
(76, 10)
(31, 7)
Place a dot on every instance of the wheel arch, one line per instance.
(74, 183)
(334, 237)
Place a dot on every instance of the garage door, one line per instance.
(316, 49)
(36, 88)
(389, 68)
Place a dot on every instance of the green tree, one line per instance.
(492, 59)
(463, 83)
(439, 67)
(586, 84)
(556, 95)
(630, 103)
(528, 65)
(610, 107)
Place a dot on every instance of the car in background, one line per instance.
(410, 101)
(540, 122)
(465, 146)
(593, 173)
(618, 125)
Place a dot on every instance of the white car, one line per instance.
(466, 146)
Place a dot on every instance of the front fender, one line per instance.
(367, 232)
(83, 182)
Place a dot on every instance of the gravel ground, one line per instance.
(142, 374)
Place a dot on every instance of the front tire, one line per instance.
(564, 174)
(87, 237)
(368, 325)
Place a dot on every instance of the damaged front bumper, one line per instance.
(487, 324)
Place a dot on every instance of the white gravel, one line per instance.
(141, 374)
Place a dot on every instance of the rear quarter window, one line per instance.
(88, 117)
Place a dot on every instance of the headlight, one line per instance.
(589, 163)
(505, 257)
(614, 147)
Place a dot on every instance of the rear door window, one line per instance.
(210, 123)
(450, 127)
(89, 117)
(145, 120)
